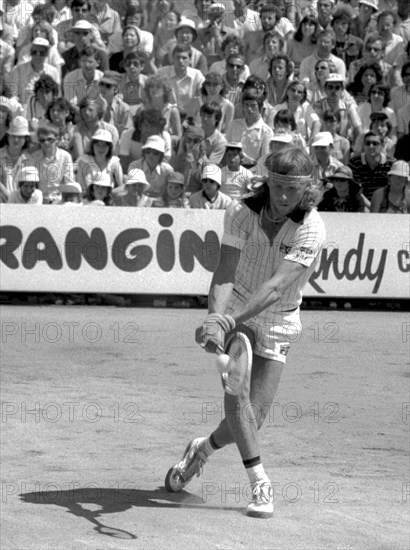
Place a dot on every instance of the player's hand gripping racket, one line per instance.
(234, 362)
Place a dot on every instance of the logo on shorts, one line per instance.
(283, 350)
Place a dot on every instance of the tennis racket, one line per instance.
(234, 362)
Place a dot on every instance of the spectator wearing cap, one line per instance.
(147, 122)
(173, 194)
(109, 22)
(395, 197)
(132, 191)
(345, 195)
(83, 38)
(377, 102)
(152, 163)
(131, 42)
(42, 29)
(324, 164)
(365, 22)
(45, 91)
(348, 47)
(350, 124)
(211, 36)
(80, 11)
(99, 161)
(23, 77)
(251, 130)
(215, 142)
(83, 82)
(99, 191)
(132, 83)
(341, 145)
(212, 91)
(117, 112)
(326, 41)
(28, 191)
(71, 194)
(210, 197)
(191, 157)
(186, 81)
(371, 167)
(91, 112)
(14, 152)
(186, 34)
(235, 178)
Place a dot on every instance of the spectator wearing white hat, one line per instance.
(365, 22)
(324, 164)
(99, 190)
(280, 140)
(28, 191)
(235, 178)
(80, 11)
(153, 165)
(99, 160)
(71, 194)
(23, 77)
(210, 198)
(13, 153)
(211, 36)
(185, 33)
(395, 197)
(132, 191)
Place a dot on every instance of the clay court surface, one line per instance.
(98, 403)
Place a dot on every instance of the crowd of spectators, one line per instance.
(160, 103)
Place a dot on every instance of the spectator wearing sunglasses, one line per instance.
(373, 52)
(117, 112)
(23, 77)
(132, 83)
(80, 11)
(82, 37)
(377, 101)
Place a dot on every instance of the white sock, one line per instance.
(256, 474)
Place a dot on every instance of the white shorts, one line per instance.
(273, 341)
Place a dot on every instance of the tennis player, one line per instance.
(270, 243)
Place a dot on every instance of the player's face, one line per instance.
(285, 196)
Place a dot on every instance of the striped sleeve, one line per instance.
(308, 241)
(236, 223)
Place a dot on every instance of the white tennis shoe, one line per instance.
(262, 501)
(190, 465)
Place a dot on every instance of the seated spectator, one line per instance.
(82, 34)
(131, 42)
(348, 47)
(27, 191)
(41, 13)
(42, 29)
(61, 114)
(365, 21)
(147, 122)
(281, 71)
(62, 11)
(303, 42)
(191, 158)
(232, 79)
(326, 41)
(280, 140)
(284, 122)
(14, 152)
(132, 84)
(386, 21)
(371, 167)
(153, 164)
(173, 194)
(350, 123)
(395, 197)
(232, 44)
(381, 125)
(307, 120)
(80, 11)
(373, 52)
(6, 116)
(345, 195)
(316, 89)
(186, 82)
(258, 85)
(402, 150)
(251, 131)
(400, 95)
(164, 28)
(235, 179)
(377, 101)
(212, 91)
(403, 120)
(45, 90)
(132, 191)
(99, 161)
(99, 191)
(24, 76)
(215, 142)
(245, 19)
(325, 11)
(211, 35)
(368, 75)
(54, 165)
(135, 18)
(341, 145)
(71, 194)
(108, 20)
(7, 54)
(210, 198)
(273, 45)
(9, 102)
(91, 112)
(325, 164)
(83, 82)
(186, 34)
(117, 111)
(158, 95)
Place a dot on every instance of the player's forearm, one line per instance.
(219, 296)
(260, 300)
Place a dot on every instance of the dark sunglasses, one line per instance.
(133, 64)
(43, 53)
(106, 85)
(47, 140)
(376, 143)
(235, 66)
(336, 87)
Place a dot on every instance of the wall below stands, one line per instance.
(156, 251)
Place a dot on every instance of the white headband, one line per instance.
(289, 178)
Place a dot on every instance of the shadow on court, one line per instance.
(114, 501)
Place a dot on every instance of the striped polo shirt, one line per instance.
(369, 179)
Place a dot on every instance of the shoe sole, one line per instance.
(260, 515)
